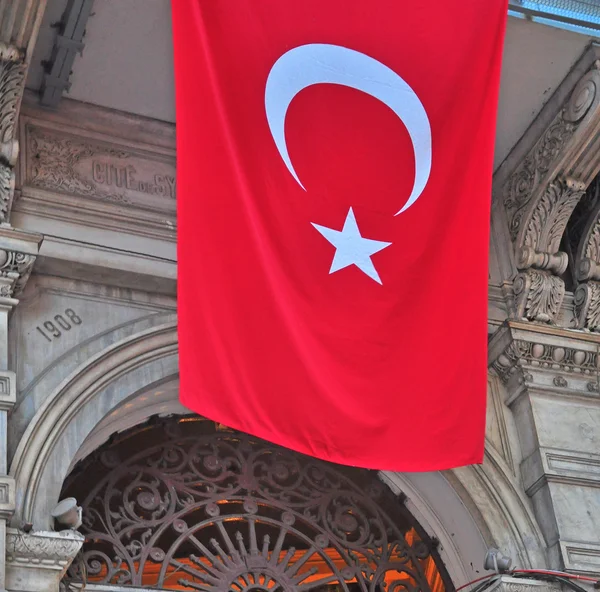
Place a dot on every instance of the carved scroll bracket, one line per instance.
(586, 244)
(543, 191)
(18, 252)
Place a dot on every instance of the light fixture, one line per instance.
(68, 513)
(496, 561)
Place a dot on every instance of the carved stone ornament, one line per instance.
(53, 548)
(542, 193)
(585, 242)
(525, 358)
(539, 295)
(70, 164)
(12, 83)
(38, 560)
(539, 168)
(15, 269)
(512, 584)
(54, 165)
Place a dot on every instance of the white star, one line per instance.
(351, 248)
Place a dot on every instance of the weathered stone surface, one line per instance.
(36, 561)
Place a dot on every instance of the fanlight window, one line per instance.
(183, 504)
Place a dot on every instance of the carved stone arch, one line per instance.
(33, 395)
(70, 413)
(80, 414)
(502, 510)
(541, 183)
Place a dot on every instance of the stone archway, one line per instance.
(182, 501)
(467, 510)
(69, 414)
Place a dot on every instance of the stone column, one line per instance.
(552, 385)
(19, 25)
(18, 252)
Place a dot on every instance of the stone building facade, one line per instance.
(88, 343)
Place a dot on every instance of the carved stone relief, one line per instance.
(12, 81)
(511, 584)
(91, 177)
(15, 269)
(531, 359)
(73, 165)
(542, 193)
(585, 240)
(38, 560)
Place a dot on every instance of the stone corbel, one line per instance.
(38, 560)
(542, 192)
(18, 252)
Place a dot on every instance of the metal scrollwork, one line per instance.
(219, 511)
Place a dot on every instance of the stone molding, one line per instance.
(55, 549)
(555, 465)
(38, 560)
(545, 186)
(559, 361)
(7, 497)
(581, 558)
(8, 390)
(56, 432)
(79, 165)
(512, 584)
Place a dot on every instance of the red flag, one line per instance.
(334, 181)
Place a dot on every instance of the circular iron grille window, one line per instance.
(182, 503)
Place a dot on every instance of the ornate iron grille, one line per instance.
(182, 504)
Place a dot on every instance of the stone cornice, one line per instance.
(38, 560)
(512, 584)
(557, 361)
(55, 549)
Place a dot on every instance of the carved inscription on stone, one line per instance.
(53, 329)
(117, 176)
(78, 166)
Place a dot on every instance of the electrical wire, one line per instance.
(473, 582)
(550, 572)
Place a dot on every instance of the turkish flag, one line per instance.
(334, 179)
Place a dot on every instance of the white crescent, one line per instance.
(319, 63)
